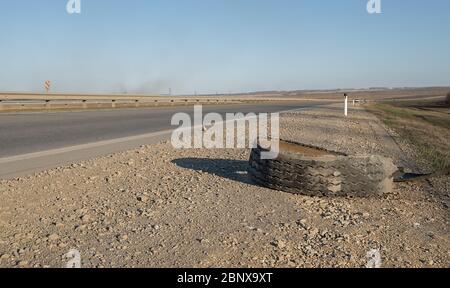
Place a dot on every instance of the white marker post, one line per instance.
(346, 105)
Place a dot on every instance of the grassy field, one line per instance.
(424, 124)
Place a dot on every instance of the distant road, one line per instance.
(35, 141)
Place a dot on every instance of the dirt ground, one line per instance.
(159, 207)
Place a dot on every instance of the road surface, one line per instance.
(31, 142)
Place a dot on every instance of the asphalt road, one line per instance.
(34, 141)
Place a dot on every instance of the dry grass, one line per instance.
(426, 127)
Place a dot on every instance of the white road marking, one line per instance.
(81, 147)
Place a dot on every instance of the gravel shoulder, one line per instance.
(159, 207)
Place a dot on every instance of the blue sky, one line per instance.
(209, 46)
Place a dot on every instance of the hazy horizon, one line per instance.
(222, 46)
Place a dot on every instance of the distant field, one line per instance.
(425, 124)
(371, 95)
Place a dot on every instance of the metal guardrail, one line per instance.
(31, 101)
(90, 97)
(84, 104)
(54, 101)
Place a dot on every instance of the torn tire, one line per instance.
(308, 170)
